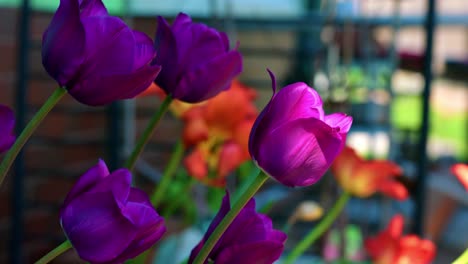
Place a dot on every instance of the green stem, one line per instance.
(463, 259)
(28, 130)
(55, 252)
(171, 168)
(148, 132)
(229, 217)
(318, 231)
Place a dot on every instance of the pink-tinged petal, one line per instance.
(217, 75)
(92, 8)
(63, 43)
(96, 228)
(101, 90)
(293, 102)
(460, 170)
(86, 182)
(166, 46)
(339, 120)
(7, 125)
(252, 253)
(299, 152)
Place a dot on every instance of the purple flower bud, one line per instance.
(108, 221)
(7, 124)
(97, 57)
(249, 239)
(195, 59)
(293, 140)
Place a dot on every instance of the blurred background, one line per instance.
(399, 67)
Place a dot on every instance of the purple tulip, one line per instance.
(195, 59)
(97, 57)
(292, 139)
(7, 124)
(108, 221)
(250, 239)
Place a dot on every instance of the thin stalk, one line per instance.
(171, 168)
(29, 129)
(148, 132)
(55, 252)
(227, 220)
(318, 231)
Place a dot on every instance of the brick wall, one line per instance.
(68, 142)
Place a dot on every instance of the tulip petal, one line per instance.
(293, 102)
(460, 170)
(63, 43)
(299, 152)
(110, 47)
(101, 90)
(87, 181)
(262, 252)
(144, 50)
(339, 120)
(92, 8)
(143, 241)
(7, 124)
(102, 233)
(166, 45)
(217, 74)
(139, 210)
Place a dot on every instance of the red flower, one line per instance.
(363, 178)
(461, 171)
(218, 130)
(390, 247)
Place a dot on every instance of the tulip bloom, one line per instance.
(363, 178)
(107, 220)
(218, 130)
(196, 61)
(460, 170)
(249, 239)
(293, 140)
(390, 247)
(7, 124)
(97, 57)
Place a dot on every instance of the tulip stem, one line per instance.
(227, 220)
(318, 231)
(171, 168)
(463, 259)
(148, 132)
(55, 252)
(28, 131)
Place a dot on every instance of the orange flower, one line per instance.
(363, 178)
(390, 247)
(219, 132)
(461, 172)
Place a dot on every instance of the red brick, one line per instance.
(53, 191)
(38, 222)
